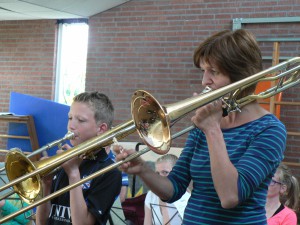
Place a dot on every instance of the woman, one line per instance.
(231, 160)
(282, 198)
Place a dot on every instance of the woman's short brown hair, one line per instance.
(235, 53)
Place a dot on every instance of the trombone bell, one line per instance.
(17, 164)
(151, 121)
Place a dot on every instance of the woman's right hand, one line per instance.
(135, 166)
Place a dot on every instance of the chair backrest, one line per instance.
(133, 209)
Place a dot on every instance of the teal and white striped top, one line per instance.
(255, 148)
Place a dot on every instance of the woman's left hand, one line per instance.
(208, 116)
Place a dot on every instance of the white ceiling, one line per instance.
(53, 9)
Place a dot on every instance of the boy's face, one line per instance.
(82, 123)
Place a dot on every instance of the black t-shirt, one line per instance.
(99, 193)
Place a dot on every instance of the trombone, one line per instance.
(153, 121)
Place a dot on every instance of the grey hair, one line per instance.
(168, 158)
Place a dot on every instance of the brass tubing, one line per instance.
(292, 164)
(281, 103)
(14, 136)
(293, 133)
(68, 136)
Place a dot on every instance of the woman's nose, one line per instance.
(206, 79)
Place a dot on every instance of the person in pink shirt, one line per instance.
(282, 198)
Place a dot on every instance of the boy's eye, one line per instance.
(81, 120)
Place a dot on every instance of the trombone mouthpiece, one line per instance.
(206, 89)
(69, 135)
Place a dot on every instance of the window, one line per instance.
(71, 59)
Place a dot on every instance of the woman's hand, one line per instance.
(134, 166)
(208, 116)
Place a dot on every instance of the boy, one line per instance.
(91, 114)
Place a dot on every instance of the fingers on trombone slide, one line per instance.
(220, 103)
(116, 147)
(217, 103)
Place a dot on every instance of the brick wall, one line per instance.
(27, 61)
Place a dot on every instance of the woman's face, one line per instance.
(212, 77)
(82, 123)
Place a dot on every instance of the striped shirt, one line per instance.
(255, 149)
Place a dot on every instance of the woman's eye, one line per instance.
(214, 72)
